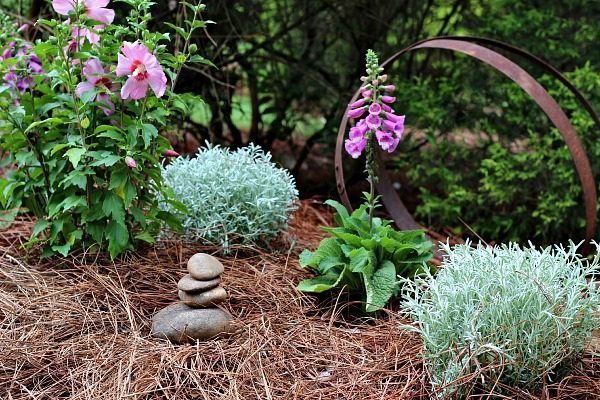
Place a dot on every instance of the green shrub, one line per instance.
(513, 178)
(510, 315)
(365, 261)
(232, 196)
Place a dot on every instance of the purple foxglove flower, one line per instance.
(396, 127)
(389, 88)
(355, 147)
(375, 109)
(394, 117)
(387, 108)
(356, 132)
(383, 78)
(357, 103)
(373, 121)
(386, 141)
(367, 93)
(130, 162)
(388, 99)
(23, 28)
(355, 113)
(375, 82)
(8, 53)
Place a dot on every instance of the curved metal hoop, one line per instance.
(468, 45)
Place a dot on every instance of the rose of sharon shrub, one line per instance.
(232, 196)
(509, 315)
(80, 114)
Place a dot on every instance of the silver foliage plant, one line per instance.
(503, 314)
(232, 196)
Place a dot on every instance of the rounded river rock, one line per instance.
(204, 267)
(181, 324)
(191, 285)
(203, 299)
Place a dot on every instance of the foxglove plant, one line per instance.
(366, 255)
(80, 115)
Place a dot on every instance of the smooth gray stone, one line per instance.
(181, 324)
(191, 285)
(204, 267)
(204, 299)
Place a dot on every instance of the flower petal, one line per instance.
(104, 15)
(134, 89)
(63, 6)
(123, 65)
(157, 81)
(93, 70)
(83, 87)
(108, 107)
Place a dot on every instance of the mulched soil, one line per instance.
(79, 328)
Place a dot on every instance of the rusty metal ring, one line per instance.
(468, 45)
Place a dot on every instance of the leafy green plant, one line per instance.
(82, 111)
(232, 196)
(510, 315)
(365, 260)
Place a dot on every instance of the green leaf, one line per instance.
(381, 286)
(361, 260)
(107, 161)
(59, 147)
(328, 247)
(118, 238)
(46, 121)
(96, 230)
(318, 285)
(146, 237)
(348, 238)
(74, 154)
(149, 132)
(342, 213)
(113, 206)
(40, 226)
(129, 193)
(63, 250)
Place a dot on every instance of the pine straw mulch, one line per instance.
(78, 328)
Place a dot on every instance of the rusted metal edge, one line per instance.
(466, 45)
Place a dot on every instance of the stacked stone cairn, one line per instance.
(196, 316)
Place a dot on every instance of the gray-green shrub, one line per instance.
(232, 196)
(506, 314)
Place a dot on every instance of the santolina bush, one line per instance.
(232, 196)
(509, 315)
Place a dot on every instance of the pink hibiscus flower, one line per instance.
(96, 79)
(143, 70)
(94, 9)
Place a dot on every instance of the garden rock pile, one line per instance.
(196, 316)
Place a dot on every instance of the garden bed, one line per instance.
(79, 328)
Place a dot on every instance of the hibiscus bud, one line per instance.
(130, 162)
(171, 153)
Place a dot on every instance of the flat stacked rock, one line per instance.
(196, 316)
